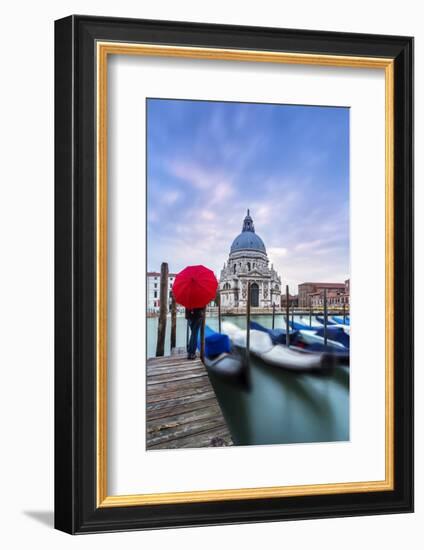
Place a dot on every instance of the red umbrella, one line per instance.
(195, 286)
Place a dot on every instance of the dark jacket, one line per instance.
(193, 314)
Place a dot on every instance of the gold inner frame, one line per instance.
(104, 49)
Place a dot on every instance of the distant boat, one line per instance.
(340, 321)
(309, 320)
(336, 333)
(278, 335)
(309, 339)
(301, 326)
(320, 319)
(314, 341)
(219, 357)
(290, 358)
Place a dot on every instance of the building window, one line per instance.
(234, 269)
(248, 266)
(156, 294)
(156, 285)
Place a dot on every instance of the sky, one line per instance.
(208, 162)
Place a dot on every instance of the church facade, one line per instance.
(248, 262)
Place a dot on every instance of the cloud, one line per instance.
(189, 174)
(277, 252)
(170, 197)
(217, 161)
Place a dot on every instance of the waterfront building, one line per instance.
(293, 300)
(153, 289)
(313, 294)
(248, 262)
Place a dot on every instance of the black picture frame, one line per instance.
(76, 508)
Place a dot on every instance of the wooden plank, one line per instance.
(213, 412)
(182, 392)
(203, 439)
(191, 405)
(172, 359)
(163, 378)
(182, 409)
(169, 386)
(183, 430)
(166, 369)
(180, 401)
(180, 363)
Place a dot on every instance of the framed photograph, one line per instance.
(234, 274)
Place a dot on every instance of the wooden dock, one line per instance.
(182, 408)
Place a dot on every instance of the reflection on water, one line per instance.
(280, 406)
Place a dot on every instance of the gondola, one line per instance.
(340, 320)
(310, 339)
(278, 335)
(320, 319)
(336, 333)
(295, 325)
(219, 358)
(289, 358)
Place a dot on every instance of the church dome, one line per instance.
(248, 239)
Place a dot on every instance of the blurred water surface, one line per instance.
(280, 406)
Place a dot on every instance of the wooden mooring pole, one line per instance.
(219, 311)
(163, 296)
(344, 313)
(310, 312)
(325, 317)
(173, 323)
(202, 336)
(273, 316)
(287, 316)
(248, 323)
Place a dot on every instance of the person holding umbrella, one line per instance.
(194, 319)
(194, 287)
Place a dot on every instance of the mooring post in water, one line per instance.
(273, 316)
(173, 323)
(325, 317)
(160, 345)
(219, 310)
(310, 311)
(248, 323)
(292, 314)
(344, 313)
(287, 316)
(202, 336)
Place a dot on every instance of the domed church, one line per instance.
(248, 261)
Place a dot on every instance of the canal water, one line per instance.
(279, 406)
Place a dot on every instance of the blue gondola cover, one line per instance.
(215, 343)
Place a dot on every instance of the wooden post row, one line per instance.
(173, 324)
(160, 346)
(287, 316)
(248, 322)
